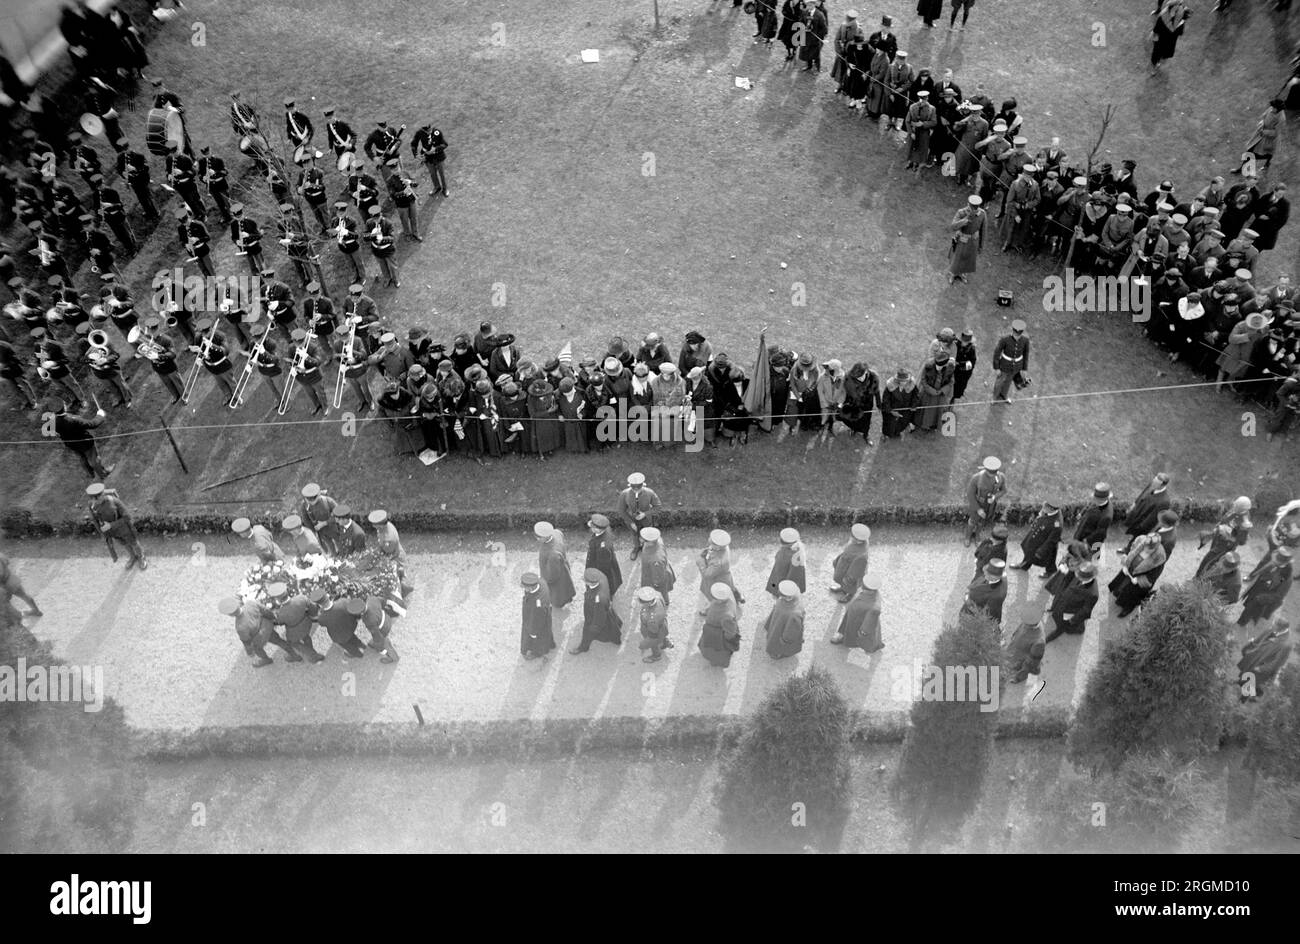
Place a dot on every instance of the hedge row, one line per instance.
(522, 738)
(18, 523)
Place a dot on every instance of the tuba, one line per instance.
(99, 353)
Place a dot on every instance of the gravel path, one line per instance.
(173, 662)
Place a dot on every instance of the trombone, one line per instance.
(298, 366)
(237, 398)
(201, 354)
(345, 362)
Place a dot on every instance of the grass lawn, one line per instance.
(550, 201)
(633, 802)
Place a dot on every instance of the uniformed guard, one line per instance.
(316, 509)
(379, 234)
(1011, 361)
(113, 521)
(255, 627)
(638, 507)
(268, 551)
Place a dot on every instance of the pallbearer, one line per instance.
(720, 635)
(851, 563)
(304, 541)
(268, 551)
(390, 543)
(379, 623)
(255, 628)
(347, 536)
(317, 512)
(296, 614)
(340, 619)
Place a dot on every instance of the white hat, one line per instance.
(871, 581)
(647, 594)
(901, 54)
(650, 534)
(923, 94)
(788, 588)
(636, 478)
(974, 199)
(860, 532)
(1243, 274)
(1020, 139)
(992, 463)
(852, 15)
(1241, 505)
(719, 537)
(241, 525)
(720, 591)
(543, 529)
(789, 535)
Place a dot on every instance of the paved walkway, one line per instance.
(173, 662)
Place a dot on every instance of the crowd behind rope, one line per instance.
(479, 396)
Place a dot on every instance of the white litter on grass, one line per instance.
(743, 83)
(591, 55)
(783, 265)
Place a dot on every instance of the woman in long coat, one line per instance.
(860, 626)
(545, 414)
(967, 229)
(535, 635)
(877, 83)
(783, 627)
(1269, 585)
(720, 635)
(1137, 578)
(937, 378)
(599, 621)
(571, 408)
(898, 403)
(1165, 31)
(803, 393)
(483, 421)
(792, 14)
(861, 397)
(857, 82)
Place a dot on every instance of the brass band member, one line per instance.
(247, 237)
(297, 126)
(430, 145)
(363, 189)
(353, 363)
(105, 364)
(134, 166)
(237, 317)
(114, 213)
(382, 144)
(99, 247)
(339, 136)
(193, 235)
(13, 373)
(243, 118)
(270, 365)
(160, 351)
(216, 360)
(347, 238)
(402, 189)
(55, 368)
(311, 184)
(318, 312)
(277, 302)
(185, 180)
(212, 171)
(113, 521)
(379, 234)
(305, 354)
(294, 239)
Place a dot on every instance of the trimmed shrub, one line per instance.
(69, 782)
(1160, 687)
(785, 787)
(949, 746)
(1149, 805)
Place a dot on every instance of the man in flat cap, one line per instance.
(637, 506)
(600, 552)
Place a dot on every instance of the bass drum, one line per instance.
(347, 161)
(164, 131)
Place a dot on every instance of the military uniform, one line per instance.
(316, 509)
(113, 521)
(382, 245)
(297, 614)
(247, 237)
(341, 624)
(194, 237)
(348, 240)
(1010, 360)
(212, 171)
(255, 627)
(637, 505)
(311, 184)
(379, 624)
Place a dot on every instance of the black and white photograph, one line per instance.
(651, 427)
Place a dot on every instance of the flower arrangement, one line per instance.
(366, 573)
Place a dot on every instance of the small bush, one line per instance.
(785, 786)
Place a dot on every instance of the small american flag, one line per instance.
(566, 354)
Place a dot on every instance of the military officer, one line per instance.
(317, 512)
(982, 493)
(379, 623)
(638, 506)
(340, 619)
(304, 540)
(1010, 360)
(113, 521)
